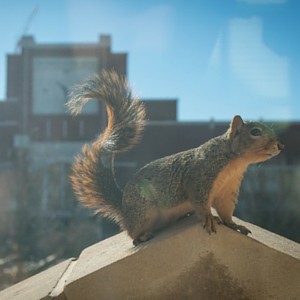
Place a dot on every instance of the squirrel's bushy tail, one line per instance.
(92, 174)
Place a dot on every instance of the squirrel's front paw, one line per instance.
(242, 229)
(210, 223)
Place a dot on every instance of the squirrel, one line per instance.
(168, 188)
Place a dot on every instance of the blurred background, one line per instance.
(194, 64)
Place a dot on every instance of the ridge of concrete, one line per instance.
(272, 240)
(226, 265)
(38, 286)
(60, 285)
(181, 262)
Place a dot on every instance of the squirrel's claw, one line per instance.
(210, 223)
(143, 238)
(242, 229)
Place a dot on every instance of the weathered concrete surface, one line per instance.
(183, 262)
(187, 263)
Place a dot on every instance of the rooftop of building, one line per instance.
(28, 41)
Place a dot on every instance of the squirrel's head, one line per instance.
(253, 140)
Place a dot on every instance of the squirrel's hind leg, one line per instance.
(144, 237)
(145, 226)
(154, 221)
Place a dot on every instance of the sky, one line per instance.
(218, 58)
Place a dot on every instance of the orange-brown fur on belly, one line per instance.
(225, 189)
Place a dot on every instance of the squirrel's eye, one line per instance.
(256, 132)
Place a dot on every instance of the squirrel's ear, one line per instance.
(236, 124)
(235, 127)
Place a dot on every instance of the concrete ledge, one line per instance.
(183, 262)
(38, 286)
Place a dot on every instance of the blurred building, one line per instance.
(38, 81)
(34, 115)
(37, 133)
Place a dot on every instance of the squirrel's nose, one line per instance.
(280, 146)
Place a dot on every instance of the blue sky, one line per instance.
(218, 58)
